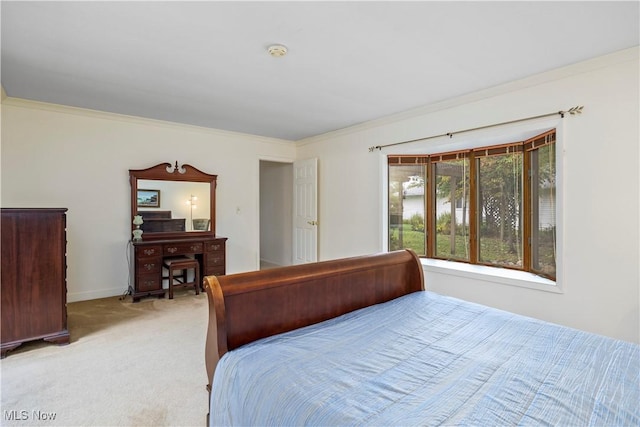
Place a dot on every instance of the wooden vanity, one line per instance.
(147, 273)
(158, 243)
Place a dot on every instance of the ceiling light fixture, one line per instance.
(277, 50)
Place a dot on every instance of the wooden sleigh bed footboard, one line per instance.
(246, 307)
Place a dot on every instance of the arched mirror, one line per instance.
(173, 201)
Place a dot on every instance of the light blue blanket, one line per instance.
(425, 359)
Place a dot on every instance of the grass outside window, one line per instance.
(492, 205)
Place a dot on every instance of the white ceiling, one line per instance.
(206, 63)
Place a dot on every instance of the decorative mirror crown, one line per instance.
(158, 196)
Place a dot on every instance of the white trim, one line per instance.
(104, 115)
(384, 190)
(502, 276)
(102, 293)
(560, 197)
(275, 159)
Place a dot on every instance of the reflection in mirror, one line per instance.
(174, 201)
(173, 205)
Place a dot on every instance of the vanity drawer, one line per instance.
(150, 265)
(149, 282)
(214, 260)
(215, 246)
(183, 248)
(148, 251)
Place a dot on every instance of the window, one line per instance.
(451, 177)
(407, 208)
(491, 205)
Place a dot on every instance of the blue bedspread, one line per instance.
(425, 359)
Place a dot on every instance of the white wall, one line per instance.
(599, 250)
(55, 156)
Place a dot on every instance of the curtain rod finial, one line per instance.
(573, 111)
(576, 109)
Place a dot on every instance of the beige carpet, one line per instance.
(127, 365)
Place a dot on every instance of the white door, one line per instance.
(305, 211)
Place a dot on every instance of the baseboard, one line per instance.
(103, 293)
(268, 264)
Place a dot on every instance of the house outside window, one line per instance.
(491, 206)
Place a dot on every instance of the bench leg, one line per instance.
(170, 283)
(196, 279)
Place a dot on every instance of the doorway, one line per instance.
(276, 214)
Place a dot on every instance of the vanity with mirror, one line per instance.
(173, 213)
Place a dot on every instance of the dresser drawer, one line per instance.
(149, 265)
(215, 246)
(183, 248)
(148, 251)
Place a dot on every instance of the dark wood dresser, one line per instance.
(147, 256)
(161, 221)
(34, 276)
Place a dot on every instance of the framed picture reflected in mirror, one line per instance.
(149, 198)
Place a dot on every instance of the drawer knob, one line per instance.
(149, 251)
(172, 250)
(149, 266)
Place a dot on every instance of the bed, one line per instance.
(359, 341)
(160, 221)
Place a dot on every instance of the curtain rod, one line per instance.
(572, 111)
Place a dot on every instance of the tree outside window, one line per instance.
(491, 205)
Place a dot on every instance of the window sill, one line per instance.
(502, 276)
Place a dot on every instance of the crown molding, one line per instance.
(590, 65)
(85, 112)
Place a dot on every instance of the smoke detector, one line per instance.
(277, 50)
